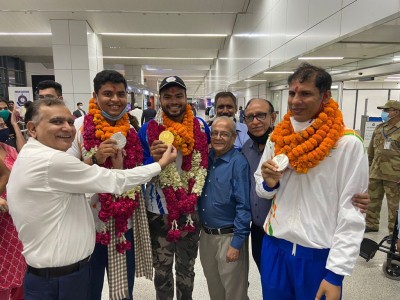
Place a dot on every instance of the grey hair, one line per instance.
(227, 119)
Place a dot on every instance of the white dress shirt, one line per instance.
(46, 199)
(315, 209)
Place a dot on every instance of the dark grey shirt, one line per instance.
(259, 206)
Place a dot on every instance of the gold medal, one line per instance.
(166, 137)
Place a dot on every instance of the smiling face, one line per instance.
(111, 98)
(173, 102)
(222, 136)
(53, 127)
(263, 118)
(225, 106)
(305, 100)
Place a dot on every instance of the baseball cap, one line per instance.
(171, 81)
(391, 104)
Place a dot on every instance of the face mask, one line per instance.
(5, 114)
(107, 116)
(4, 135)
(261, 140)
(385, 116)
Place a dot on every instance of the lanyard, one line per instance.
(389, 133)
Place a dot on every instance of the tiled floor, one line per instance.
(368, 281)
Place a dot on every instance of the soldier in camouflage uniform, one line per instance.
(384, 162)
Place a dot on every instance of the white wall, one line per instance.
(36, 69)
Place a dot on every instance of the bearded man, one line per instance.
(171, 199)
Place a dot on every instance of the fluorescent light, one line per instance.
(152, 57)
(164, 34)
(396, 58)
(334, 87)
(392, 80)
(255, 80)
(320, 57)
(393, 77)
(278, 72)
(25, 33)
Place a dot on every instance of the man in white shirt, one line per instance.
(47, 202)
(136, 112)
(313, 232)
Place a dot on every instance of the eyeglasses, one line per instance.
(259, 117)
(222, 134)
(228, 107)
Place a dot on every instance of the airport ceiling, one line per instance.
(370, 53)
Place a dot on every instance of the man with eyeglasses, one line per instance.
(226, 105)
(49, 89)
(96, 144)
(224, 210)
(384, 163)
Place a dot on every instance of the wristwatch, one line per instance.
(94, 159)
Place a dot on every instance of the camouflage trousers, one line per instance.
(376, 190)
(184, 251)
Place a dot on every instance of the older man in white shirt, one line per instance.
(48, 205)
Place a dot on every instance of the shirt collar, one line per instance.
(225, 157)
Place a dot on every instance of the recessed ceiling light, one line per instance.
(152, 57)
(25, 33)
(164, 34)
(320, 57)
(278, 72)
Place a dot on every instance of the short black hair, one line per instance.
(108, 76)
(306, 72)
(224, 95)
(32, 111)
(48, 84)
(79, 103)
(271, 107)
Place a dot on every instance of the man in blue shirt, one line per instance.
(226, 105)
(224, 210)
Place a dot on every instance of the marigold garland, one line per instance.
(307, 148)
(103, 129)
(183, 132)
(182, 189)
(119, 207)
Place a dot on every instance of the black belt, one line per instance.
(225, 230)
(59, 271)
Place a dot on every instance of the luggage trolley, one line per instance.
(391, 267)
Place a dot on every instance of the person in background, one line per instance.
(226, 105)
(224, 211)
(12, 262)
(384, 162)
(46, 200)
(148, 114)
(313, 232)
(136, 112)
(12, 125)
(49, 89)
(174, 225)
(79, 112)
(240, 114)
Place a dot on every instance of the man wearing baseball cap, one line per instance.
(384, 162)
(171, 200)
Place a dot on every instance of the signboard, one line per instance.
(370, 126)
(20, 95)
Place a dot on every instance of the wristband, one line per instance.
(94, 159)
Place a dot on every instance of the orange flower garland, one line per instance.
(104, 130)
(183, 132)
(307, 148)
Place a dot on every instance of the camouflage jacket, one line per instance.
(385, 163)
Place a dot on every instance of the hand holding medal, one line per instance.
(166, 137)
